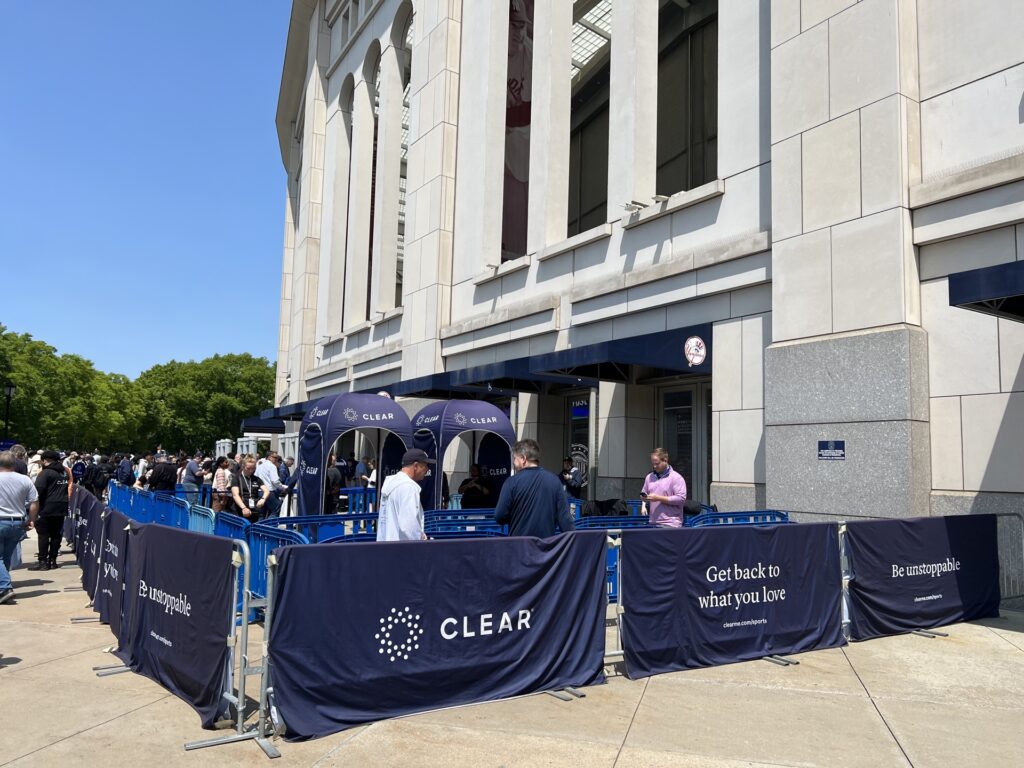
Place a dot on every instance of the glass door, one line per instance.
(686, 435)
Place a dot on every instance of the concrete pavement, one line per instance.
(899, 701)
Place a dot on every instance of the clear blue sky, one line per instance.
(142, 190)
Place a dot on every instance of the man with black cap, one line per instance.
(52, 487)
(401, 514)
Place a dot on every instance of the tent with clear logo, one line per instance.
(380, 419)
(436, 427)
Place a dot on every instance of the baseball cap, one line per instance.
(416, 454)
(51, 455)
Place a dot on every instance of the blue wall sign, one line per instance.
(831, 450)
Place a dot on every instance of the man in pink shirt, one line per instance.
(664, 491)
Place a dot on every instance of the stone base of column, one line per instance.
(868, 389)
(738, 497)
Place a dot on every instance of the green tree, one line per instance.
(62, 401)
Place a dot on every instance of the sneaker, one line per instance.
(42, 565)
(7, 594)
(54, 564)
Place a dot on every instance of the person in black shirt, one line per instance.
(164, 476)
(248, 491)
(334, 482)
(52, 487)
(476, 490)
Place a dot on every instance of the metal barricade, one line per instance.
(357, 500)
(350, 537)
(319, 527)
(231, 526)
(264, 539)
(757, 517)
(201, 519)
(239, 642)
(142, 507)
(614, 527)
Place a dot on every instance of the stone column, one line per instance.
(357, 249)
(479, 187)
(306, 254)
(633, 106)
(331, 296)
(430, 173)
(849, 358)
(389, 161)
(549, 133)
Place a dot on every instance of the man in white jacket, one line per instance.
(401, 514)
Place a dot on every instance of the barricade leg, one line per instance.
(617, 654)
(241, 559)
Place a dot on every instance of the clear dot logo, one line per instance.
(399, 634)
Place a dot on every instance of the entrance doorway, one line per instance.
(685, 429)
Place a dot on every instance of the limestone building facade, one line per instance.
(725, 227)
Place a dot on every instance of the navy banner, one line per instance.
(699, 597)
(922, 572)
(422, 625)
(180, 614)
(90, 534)
(109, 597)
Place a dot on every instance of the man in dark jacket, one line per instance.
(532, 501)
(52, 487)
(164, 476)
(125, 475)
(98, 475)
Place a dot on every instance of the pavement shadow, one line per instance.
(9, 661)
(36, 593)
(33, 582)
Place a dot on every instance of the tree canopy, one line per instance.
(62, 401)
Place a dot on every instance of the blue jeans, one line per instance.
(191, 492)
(10, 534)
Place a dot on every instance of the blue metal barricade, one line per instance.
(168, 510)
(576, 507)
(142, 507)
(231, 526)
(450, 521)
(264, 539)
(201, 519)
(614, 525)
(320, 527)
(349, 537)
(357, 500)
(758, 517)
(455, 501)
(469, 534)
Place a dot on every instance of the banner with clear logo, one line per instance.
(363, 632)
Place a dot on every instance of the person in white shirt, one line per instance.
(267, 472)
(401, 514)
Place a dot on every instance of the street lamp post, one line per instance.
(8, 393)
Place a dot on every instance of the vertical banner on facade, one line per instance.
(699, 597)
(422, 625)
(109, 598)
(922, 572)
(180, 586)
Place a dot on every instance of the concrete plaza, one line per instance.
(899, 701)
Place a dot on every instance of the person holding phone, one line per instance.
(664, 491)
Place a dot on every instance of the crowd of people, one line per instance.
(34, 491)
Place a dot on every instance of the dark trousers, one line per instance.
(50, 530)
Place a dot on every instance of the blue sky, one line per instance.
(142, 198)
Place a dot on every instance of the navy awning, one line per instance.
(516, 375)
(290, 412)
(664, 351)
(256, 424)
(997, 290)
